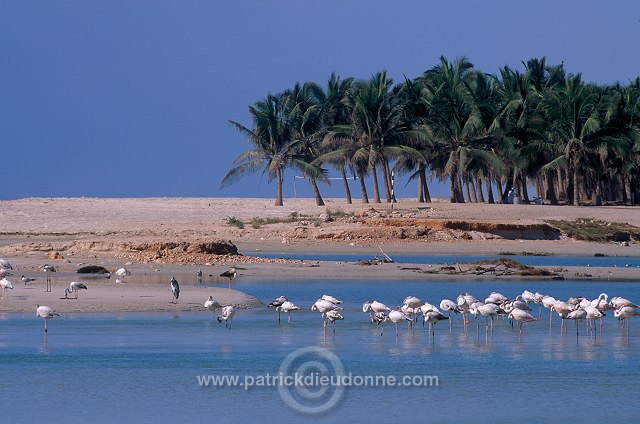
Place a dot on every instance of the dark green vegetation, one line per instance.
(598, 231)
(573, 141)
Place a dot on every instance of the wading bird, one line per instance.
(330, 317)
(48, 269)
(74, 287)
(175, 289)
(211, 304)
(226, 315)
(45, 312)
(286, 307)
(5, 264)
(396, 316)
(521, 317)
(5, 285)
(276, 303)
(231, 273)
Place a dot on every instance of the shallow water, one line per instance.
(143, 367)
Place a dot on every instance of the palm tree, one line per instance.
(579, 116)
(271, 138)
(458, 120)
(303, 113)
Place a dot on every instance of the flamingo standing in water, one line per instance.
(226, 315)
(448, 306)
(521, 317)
(286, 307)
(47, 313)
(547, 302)
(276, 303)
(433, 316)
(577, 315)
(624, 314)
(323, 306)
(396, 316)
(330, 317)
(231, 273)
(331, 299)
(212, 304)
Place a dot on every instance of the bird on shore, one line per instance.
(122, 272)
(4, 272)
(226, 315)
(48, 269)
(26, 280)
(45, 312)
(74, 287)
(231, 273)
(175, 289)
(5, 264)
(5, 285)
(276, 303)
(286, 307)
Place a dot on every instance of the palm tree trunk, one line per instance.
(316, 192)
(420, 184)
(474, 194)
(562, 188)
(629, 189)
(427, 195)
(489, 191)
(363, 187)
(279, 192)
(576, 182)
(346, 183)
(466, 189)
(525, 191)
(374, 179)
(387, 180)
(479, 187)
(456, 188)
(550, 193)
(499, 189)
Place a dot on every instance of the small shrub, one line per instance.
(234, 222)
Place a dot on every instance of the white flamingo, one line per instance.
(448, 305)
(547, 302)
(433, 316)
(286, 307)
(331, 299)
(175, 289)
(413, 302)
(226, 315)
(602, 302)
(521, 317)
(5, 285)
(396, 316)
(618, 302)
(330, 317)
(47, 313)
(323, 306)
(48, 269)
(374, 308)
(277, 302)
(624, 313)
(488, 310)
(577, 315)
(74, 287)
(212, 304)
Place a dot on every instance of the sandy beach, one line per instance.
(161, 237)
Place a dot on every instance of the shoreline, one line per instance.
(68, 233)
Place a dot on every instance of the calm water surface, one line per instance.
(144, 367)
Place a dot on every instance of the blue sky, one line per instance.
(132, 98)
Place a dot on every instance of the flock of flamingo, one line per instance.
(495, 305)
